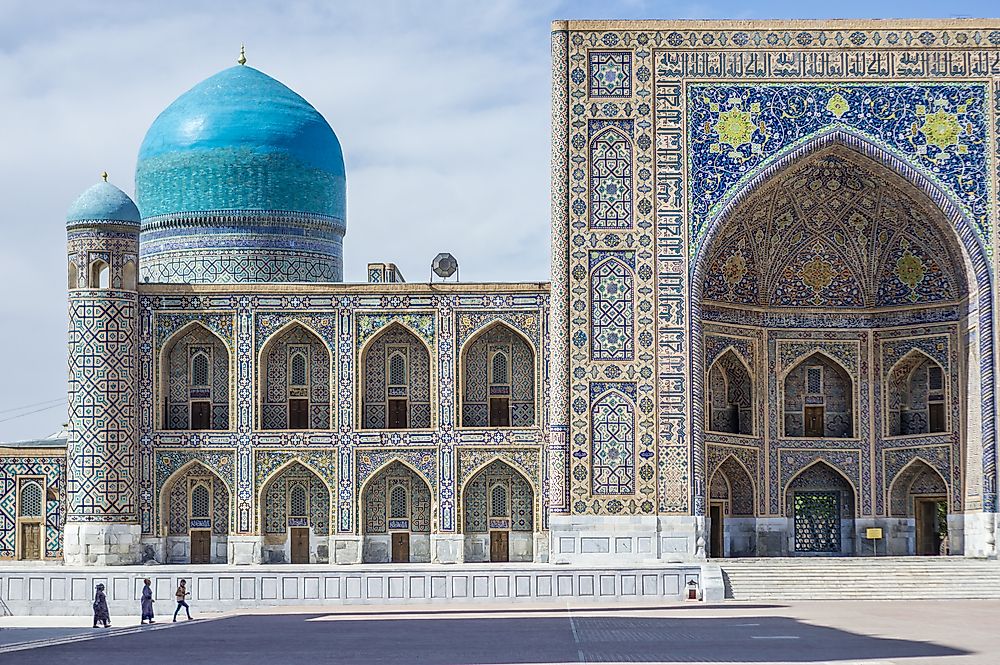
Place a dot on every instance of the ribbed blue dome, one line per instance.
(240, 140)
(241, 180)
(103, 202)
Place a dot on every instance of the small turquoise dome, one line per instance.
(240, 140)
(103, 202)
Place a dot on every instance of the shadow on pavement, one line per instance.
(487, 641)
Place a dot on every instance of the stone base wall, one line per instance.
(99, 544)
(591, 539)
(51, 590)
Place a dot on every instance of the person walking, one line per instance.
(147, 602)
(101, 614)
(181, 594)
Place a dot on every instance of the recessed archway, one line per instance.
(195, 515)
(498, 514)
(396, 509)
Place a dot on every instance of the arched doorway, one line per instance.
(818, 399)
(395, 381)
(828, 266)
(731, 511)
(196, 516)
(498, 515)
(195, 380)
(295, 380)
(820, 503)
(396, 513)
(498, 379)
(295, 516)
(919, 495)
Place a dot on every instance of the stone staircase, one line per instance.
(883, 578)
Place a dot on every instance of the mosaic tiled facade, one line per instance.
(771, 306)
(812, 217)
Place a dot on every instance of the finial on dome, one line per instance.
(243, 55)
(104, 175)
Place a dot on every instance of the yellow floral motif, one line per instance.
(910, 269)
(817, 274)
(734, 269)
(735, 127)
(838, 105)
(941, 129)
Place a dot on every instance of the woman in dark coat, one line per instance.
(101, 608)
(147, 602)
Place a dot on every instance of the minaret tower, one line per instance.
(103, 245)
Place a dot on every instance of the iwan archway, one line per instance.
(830, 264)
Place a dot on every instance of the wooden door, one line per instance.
(298, 414)
(400, 548)
(499, 412)
(201, 546)
(717, 540)
(814, 421)
(300, 544)
(31, 541)
(499, 546)
(928, 529)
(397, 414)
(201, 415)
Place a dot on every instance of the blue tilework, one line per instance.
(103, 202)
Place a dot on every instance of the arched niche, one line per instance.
(396, 516)
(820, 501)
(395, 380)
(498, 514)
(840, 232)
(916, 394)
(295, 508)
(498, 379)
(730, 395)
(195, 380)
(295, 380)
(195, 515)
(818, 399)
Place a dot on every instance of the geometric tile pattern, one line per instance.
(613, 418)
(50, 470)
(610, 174)
(610, 74)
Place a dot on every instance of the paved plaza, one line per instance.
(915, 633)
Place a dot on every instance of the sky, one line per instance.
(442, 109)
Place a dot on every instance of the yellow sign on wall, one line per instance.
(873, 534)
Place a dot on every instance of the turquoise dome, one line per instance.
(241, 180)
(240, 140)
(103, 202)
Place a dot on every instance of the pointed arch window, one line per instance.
(397, 370)
(499, 501)
(31, 503)
(100, 274)
(298, 502)
(398, 503)
(298, 387)
(74, 275)
(201, 502)
(200, 370)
